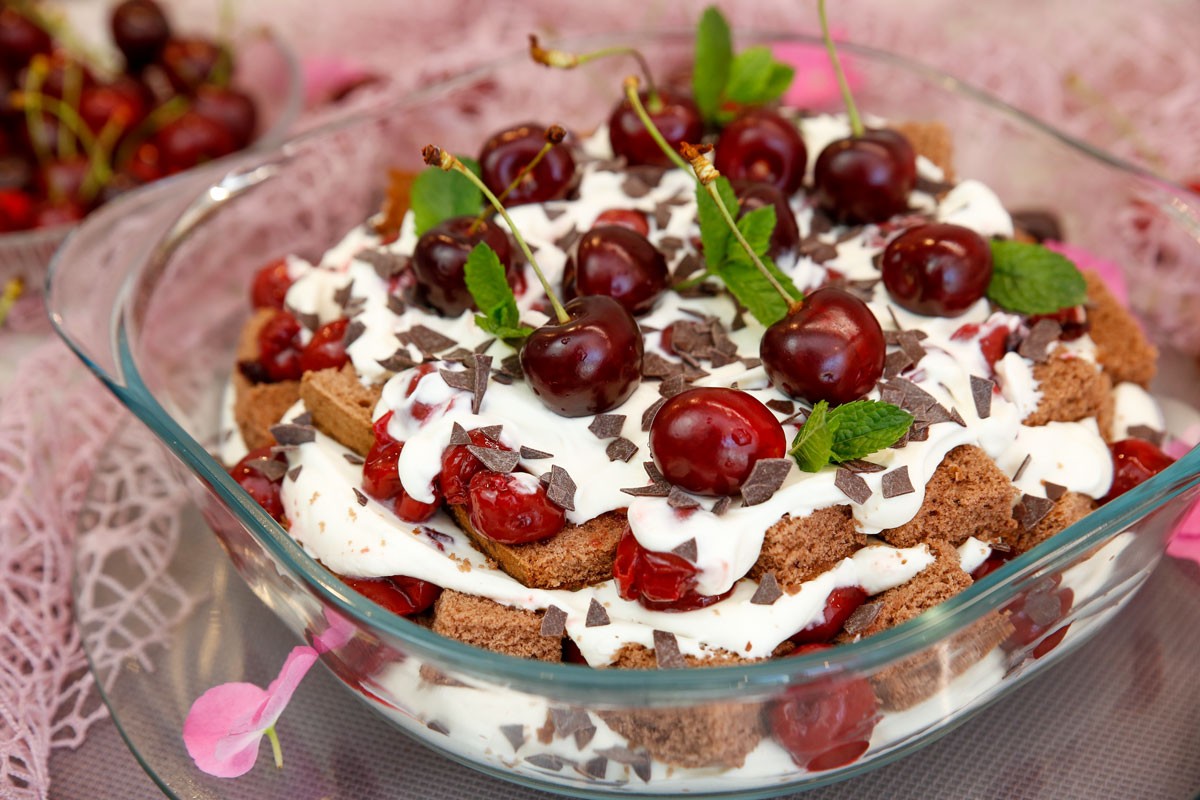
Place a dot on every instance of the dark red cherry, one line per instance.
(1035, 613)
(658, 581)
(191, 139)
(938, 269)
(122, 103)
(261, 473)
(993, 342)
(58, 212)
(381, 478)
(20, 38)
(676, 117)
(231, 109)
(824, 723)
(761, 145)
(327, 347)
(830, 349)
(867, 178)
(1135, 461)
(589, 364)
(145, 165)
(279, 348)
(625, 217)
(140, 30)
(270, 285)
(840, 604)
(753, 195)
(399, 594)
(189, 62)
(506, 153)
(513, 508)
(440, 258)
(619, 262)
(64, 77)
(995, 560)
(707, 440)
(16, 210)
(459, 466)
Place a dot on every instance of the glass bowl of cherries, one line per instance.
(607, 463)
(78, 127)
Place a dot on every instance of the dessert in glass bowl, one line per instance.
(650, 585)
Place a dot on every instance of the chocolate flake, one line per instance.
(896, 362)
(859, 465)
(768, 591)
(568, 721)
(607, 426)
(957, 417)
(656, 366)
(288, 434)
(1021, 469)
(897, 483)
(640, 180)
(917, 433)
(511, 365)
(458, 354)
(638, 761)
(354, 330)
(303, 419)
(547, 761)
(653, 490)
(584, 736)
(554, 624)
(652, 472)
(765, 479)
(669, 245)
(354, 459)
(817, 250)
(910, 344)
(597, 615)
(596, 768)
(561, 489)
(1053, 490)
(1031, 510)
(341, 295)
(492, 432)
(852, 486)
(270, 468)
(309, 320)
(396, 304)
(502, 378)
(620, 449)
(721, 506)
(529, 454)
(1151, 435)
(437, 727)
(459, 435)
(672, 386)
(651, 410)
(688, 550)
(784, 407)
(294, 472)
(568, 239)
(662, 216)
(688, 265)
(680, 499)
(458, 379)
(427, 340)
(1036, 345)
(359, 497)
(666, 651)
(398, 361)
(515, 734)
(481, 370)
(862, 618)
(386, 264)
(495, 460)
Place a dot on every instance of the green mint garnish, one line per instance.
(489, 288)
(850, 431)
(722, 83)
(439, 195)
(756, 78)
(1030, 279)
(711, 66)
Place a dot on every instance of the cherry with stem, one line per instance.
(555, 134)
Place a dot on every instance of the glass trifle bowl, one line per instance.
(151, 294)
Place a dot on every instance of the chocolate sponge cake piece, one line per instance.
(967, 496)
(798, 549)
(1122, 348)
(1072, 389)
(258, 406)
(932, 140)
(341, 406)
(485, 623)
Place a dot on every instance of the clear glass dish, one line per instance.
(151, 291)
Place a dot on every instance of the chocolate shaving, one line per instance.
(303, 419)
(680, 499)
(458, 354)
(437, 727)
(1031, 510)
(653, 490)
(688, 550)
(896, 362)
(817, 250)
(502, 378)
(620, 449)
(656, 366)
(458, 379)
(640, 180)
(670, 245)
(651, 410)
(547, 761)
(688, 265)
(568, 239)
(515, 734)
(341, 295)
(1021, 469)
(354, 458)
(308, 320)
(294, 472)
(583, 737)
(270, 468)
(910, 343)
(511, 365)
(561, 489)
(662, 216)
(860, 466)
(359, 497)
(354, 330)
(889, 337)
(672, 386)
(481, 370)
(1053, 490)
(897, 483)
(529, 454)
(784, 407)
(396, 304)
(398, 361)
(917, 433)
(652, 472)
(638, 761)
(861, 618)
(1151, 435)
(607, 426)
(495, 460)
(596, 768)
(289, 433)
(957, 417)
(721, 506)
(554, 623)
(597, 615)
(459, 435)
(492, 432)
(852, 486)
(386, 264)
(427, 340)
(765, 479)
(820, 222)
(1036, 345)
(567, 721)
(768, 591)
(1044, 608)
(666, 651)
(483, 346)
(981, 393)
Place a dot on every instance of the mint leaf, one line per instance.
(489, 288)
(756, 78)
(813, 445)
(711, 65)
(752, 290)
(866, 426)
(438, 195)
(757, 227)
(1031, 279)
(715, 235)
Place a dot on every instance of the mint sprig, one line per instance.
(439, 195)
(722, 83)
(1029, 278)
(850, 431)
(489, 288)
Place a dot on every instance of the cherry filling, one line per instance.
(658, 581)
(255, 475)
(327, 348)
(270, 286)
(840, 604)
(993, 342)
(459, 466)
(381, 477)
(512, 508)
(399, 594)
(1135, 461)
(279, 348)
(1035, 613)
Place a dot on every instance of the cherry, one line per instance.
(995, 560)
(440, 258)
(270, 286)
(62, 179)
(707, 440)
(619, 262)
(752, 195)
(190, 62)
(459, 466)
(589, 364)
(840, 604)
(58, 212)
(866, 178)
(140, 30)
(658, 581)
(279, 348)
(824, 723)
(64, 76)
(506, 153)
(231, 109)
(512, 508)
(1037, 611)
(264, 490)
(381, 477)
(16, 210)
(327, 348)
(571, 654)
(993, 343)
(625, 217)
(399, 594)
(145, 165)
(831, 348)
(676, 117)
(1134, 462)
(191, 139)
(938, 269)
(20, 38)
(124, 102)
(761, 145)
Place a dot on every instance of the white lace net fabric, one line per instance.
(55, 419)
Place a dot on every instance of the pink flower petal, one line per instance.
(815, 85)
(279, 693)
(209, 722)
(339, 632)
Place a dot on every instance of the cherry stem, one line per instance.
(72, 88)
(554, 135)
(564, 60)
(437, 157)
(707, 174)
(32, 90)
(631, 92)
(276, 750)
(73, 123)
(856, 126)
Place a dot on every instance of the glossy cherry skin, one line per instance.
(761, 145)
(279, 348)
(459, 466)
(1135, 461)
(264, 490)
(939, 270)
(830, 349)
(270, 285)
(327, 347)
(619, 262)
(824, 723)
(140, 30)
(381, 476)
(20, 39)
(588, 365)
(707, 440)
(676, 117)
(123, 103)
(658, 581)
(625, 217)
(752, 195)
(16, 210)
(231, 109)
(440, 258)
(506, 153)
(841, 603)
(1037, 612)
(191, 139)
(399, 594)
(189, 62)
(865, 179)
(513, 508)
